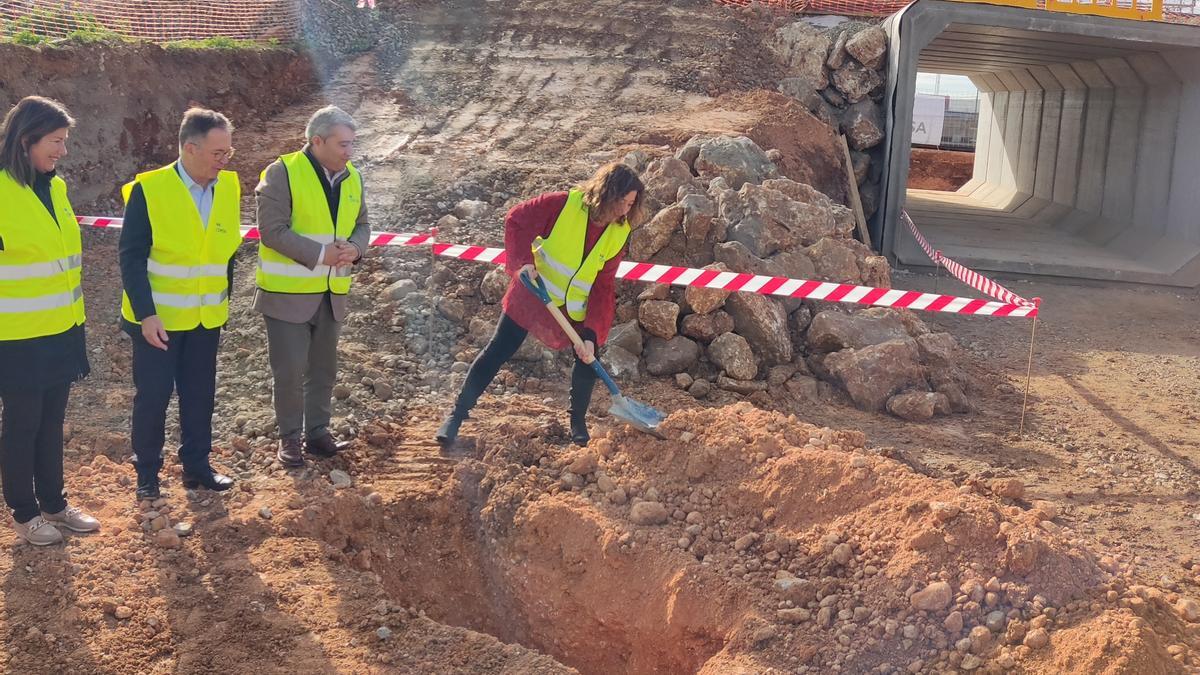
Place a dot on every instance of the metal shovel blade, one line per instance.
(639, 415)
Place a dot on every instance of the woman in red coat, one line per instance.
(609, 203)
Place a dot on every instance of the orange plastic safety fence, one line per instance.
(156, 20)
(1174, 11)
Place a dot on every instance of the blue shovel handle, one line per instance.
(538, 288)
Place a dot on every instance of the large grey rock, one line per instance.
(834, 261)
(659, 317)
(800, 192)
(733, 354)
(837, 53)
(941, 355)
(687, 154)
(939, 350)
(494, 285)
(627, 336)
(762, 237)
(855, 81)
(763, 322)
(736, 158)
(620, 363)
(471, 209)
(803, 48)
(804, 90)
(400, 289)
(914, 406)
(668, 357)
(650, 238)
(792, 264)
(697, 222)
(863, 125)
(832, 331)
(766, 220)
(744, 387)
(664, 177)
(874, 374)
(869, 47)
(706, 327)
(876, 272)
(705, 300)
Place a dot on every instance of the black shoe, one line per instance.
(209, 479)
(148, 488)
(325, 446)
(448, 432)
(579, 433)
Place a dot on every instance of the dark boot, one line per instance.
(147, 483)
(448, 432)
(579, 431)
(148, 488)
(583, 383)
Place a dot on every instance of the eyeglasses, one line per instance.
(218, 155)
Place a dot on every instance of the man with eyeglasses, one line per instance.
(312, 217)
(181, 231)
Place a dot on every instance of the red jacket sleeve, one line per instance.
(527, 221)
(602, 301)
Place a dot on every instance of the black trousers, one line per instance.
(504, 343)
(189, 367)
(31, 450)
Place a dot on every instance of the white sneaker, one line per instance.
(74, 520)
(38, 532)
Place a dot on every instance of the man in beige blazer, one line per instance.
(312, 217)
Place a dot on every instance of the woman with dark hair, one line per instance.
(573, 241)
(42, 348)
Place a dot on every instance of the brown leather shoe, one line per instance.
(325, 446)
(289, 452)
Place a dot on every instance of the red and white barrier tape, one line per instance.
(963, 273)
(714, 279)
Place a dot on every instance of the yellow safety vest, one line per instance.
(559, 258)
(189, 262)
(278, 273)
(40, 292)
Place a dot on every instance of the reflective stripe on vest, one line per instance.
(559, 257)
(40, 270)
(189, 301)
(40, 303)
(312, 220)
(40, 265)
(189, 260)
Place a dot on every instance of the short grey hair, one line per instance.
(324, 120)
(197, 122)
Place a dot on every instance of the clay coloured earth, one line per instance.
(837, 490)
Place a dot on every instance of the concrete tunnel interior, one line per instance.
(1087, 160)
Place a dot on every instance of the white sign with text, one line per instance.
(929, 112)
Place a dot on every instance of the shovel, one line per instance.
(639, 415)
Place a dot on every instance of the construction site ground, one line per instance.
(490, 558)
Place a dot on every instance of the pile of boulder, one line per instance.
(840, 74)
(720, 204)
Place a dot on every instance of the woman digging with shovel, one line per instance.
(567, 245)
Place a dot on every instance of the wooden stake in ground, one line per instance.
(433, 232)
(1029, 369)
(855, 201)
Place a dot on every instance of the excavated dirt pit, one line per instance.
(747, 541)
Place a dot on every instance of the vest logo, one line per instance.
(352, 198)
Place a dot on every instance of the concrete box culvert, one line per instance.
(1087, 158)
